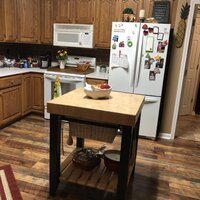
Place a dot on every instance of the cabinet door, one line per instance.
(63, 11)
(46, 20)
(2, 22)
(10, 104)
(38, 92)
(148, 6)
(26, 94)
(28, 13)
(10, 9)
(84, 11)
(104, 15)
(92, 81)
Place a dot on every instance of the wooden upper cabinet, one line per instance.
(10, 9)
(2, 22)
(148, 7)
(104, 16)
(63, 11)
(84, 11)
(28, 13)
(46, 22)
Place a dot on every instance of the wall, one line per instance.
(172, 81)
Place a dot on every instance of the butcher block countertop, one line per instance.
(120, 108)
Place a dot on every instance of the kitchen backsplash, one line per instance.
(16, 50)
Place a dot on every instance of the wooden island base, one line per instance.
(100, 177)
(120, 111)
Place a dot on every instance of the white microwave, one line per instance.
(73, 35)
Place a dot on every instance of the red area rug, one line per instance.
(8, 186)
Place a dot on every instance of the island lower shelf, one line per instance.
(99, 177)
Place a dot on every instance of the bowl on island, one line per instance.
(98, 91)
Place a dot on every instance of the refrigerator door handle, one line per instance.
(139, 60)
(135, 63)
(151, 99)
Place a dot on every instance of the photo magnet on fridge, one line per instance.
(149, 44)
(152, 76)
(147, 64)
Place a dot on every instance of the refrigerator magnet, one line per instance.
(159, 64)
(157, 57)
(160, 36)
(149, 44)
(114, 46)
(152, 76)
(115, 38)
(145, 32)
(147, 64)
(144, 26)
(121, 44)
(150, 30)
(155, 29)
(151, 60)
(161, 47)
(156, 70)
(148, 56)
(129, 43)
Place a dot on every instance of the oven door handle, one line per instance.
(64, 80)
(69, 80)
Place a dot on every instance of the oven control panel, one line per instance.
(74, 60)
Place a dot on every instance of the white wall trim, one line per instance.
(166, 136)
(183, 64)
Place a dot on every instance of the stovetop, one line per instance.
(71, 66)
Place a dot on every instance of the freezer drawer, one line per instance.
(149, 117)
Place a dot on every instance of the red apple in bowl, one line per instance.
(104, 86)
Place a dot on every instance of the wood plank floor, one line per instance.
(164, 170)
(189, 127)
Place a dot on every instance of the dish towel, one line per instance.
(57, 88)
(119, 60)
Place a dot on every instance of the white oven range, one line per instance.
(68, 80)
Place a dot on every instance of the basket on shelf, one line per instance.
(82, 67)
(94, 132)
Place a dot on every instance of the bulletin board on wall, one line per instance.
(161, 11)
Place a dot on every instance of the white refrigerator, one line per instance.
(137, 65)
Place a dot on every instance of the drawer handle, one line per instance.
(12, 82)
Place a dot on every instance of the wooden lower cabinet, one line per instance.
(93, 81)
(37, 92)
(32, 93)
(26, 94)
(10, 104)
(20, 95)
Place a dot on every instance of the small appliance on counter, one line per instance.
(45, 61)
(102, 68)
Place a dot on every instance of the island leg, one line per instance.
(54, 163)
(80, 142)
(124, 162)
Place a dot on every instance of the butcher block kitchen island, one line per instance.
(121, 111)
